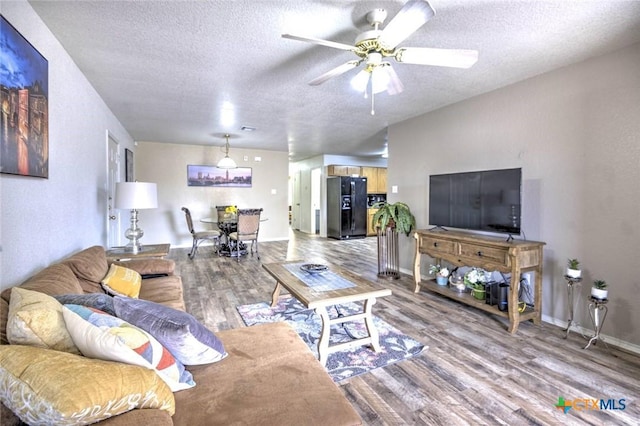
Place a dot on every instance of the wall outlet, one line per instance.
(394, 189)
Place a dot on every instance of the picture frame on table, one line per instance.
(213, 176)
(24, 139)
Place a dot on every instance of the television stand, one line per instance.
(491, 254)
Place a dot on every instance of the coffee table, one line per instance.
(334, 287)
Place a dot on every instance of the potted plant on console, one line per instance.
(441, 273)
(573, 268)
(475, 279)
(389, 220)
(599, 290)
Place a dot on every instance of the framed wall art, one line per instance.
(24, 97)
(216, 177)
(128, 164)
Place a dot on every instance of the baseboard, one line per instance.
(621, 344)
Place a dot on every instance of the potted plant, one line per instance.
(599, 290)
(475, 279)
(394, 215)
(573, 268)
(441, 273)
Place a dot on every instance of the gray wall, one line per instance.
(44, 220)
(576, 134)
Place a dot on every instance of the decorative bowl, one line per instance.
(314, 268)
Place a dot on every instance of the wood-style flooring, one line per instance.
(473, 371)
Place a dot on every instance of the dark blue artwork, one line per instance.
(24, 106)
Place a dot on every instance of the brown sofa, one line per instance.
(269, 377)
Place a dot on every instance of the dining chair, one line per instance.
(248, 228)
(199, 237)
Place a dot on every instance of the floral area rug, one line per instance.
(341, 364)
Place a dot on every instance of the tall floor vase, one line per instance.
(388, 263)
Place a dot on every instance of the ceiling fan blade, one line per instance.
(321, 42)
(457, 58)
(413, 15)
(334, 72)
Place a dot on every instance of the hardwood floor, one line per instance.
(473, 371)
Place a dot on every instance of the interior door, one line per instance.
(113, 171)
(295, 217)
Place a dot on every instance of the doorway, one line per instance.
(113, 172)
(316, 176)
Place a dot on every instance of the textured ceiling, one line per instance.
(190, 71)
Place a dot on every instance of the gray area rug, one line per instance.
(344, 364)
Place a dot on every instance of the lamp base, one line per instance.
(134, 234)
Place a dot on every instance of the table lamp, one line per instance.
(135, 196)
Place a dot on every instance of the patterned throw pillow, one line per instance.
(100, 301)
(45, 387)
(35, 319)
(121, 281)
(183, 335)
(100, 335)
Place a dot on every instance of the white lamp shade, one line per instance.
(227, 163)
(136, 195)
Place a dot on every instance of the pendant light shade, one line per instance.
(226, 162)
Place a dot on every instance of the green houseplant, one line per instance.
(573, 268)
(599, 290)
(394, 215)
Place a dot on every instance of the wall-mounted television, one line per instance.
(487, 200)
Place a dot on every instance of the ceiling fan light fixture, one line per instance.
(360, 81)
(226, 162)
(379, 79)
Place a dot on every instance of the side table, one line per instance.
(571, 282)
(147, 251)
(598, 313)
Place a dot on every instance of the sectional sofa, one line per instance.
(268, 375)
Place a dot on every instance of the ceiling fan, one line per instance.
(374, 46)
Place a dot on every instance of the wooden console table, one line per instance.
(491, 254)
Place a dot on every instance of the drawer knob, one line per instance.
(435, 244)
(479, 253)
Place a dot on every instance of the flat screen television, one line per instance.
(487, 200)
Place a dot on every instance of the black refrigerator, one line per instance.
(346, 207)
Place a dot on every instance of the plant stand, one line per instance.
(598, 312)
(571, 281)
(388, 264)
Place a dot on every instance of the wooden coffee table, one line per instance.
(319, 297)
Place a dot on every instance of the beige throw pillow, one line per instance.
(35, 319)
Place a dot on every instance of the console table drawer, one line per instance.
(488, 254)
(436, 244)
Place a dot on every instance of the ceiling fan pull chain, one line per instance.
(373, 111)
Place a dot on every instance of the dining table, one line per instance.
(227, 225)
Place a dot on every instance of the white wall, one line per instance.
(44, 220)
(576, 134)
(166, 165)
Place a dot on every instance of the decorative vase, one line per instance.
(596, 293)
(440, 280)
(574, 273)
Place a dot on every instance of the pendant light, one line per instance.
(226, 162)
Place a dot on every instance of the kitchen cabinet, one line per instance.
(376, 179)
(335, 170)
(371, 230)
